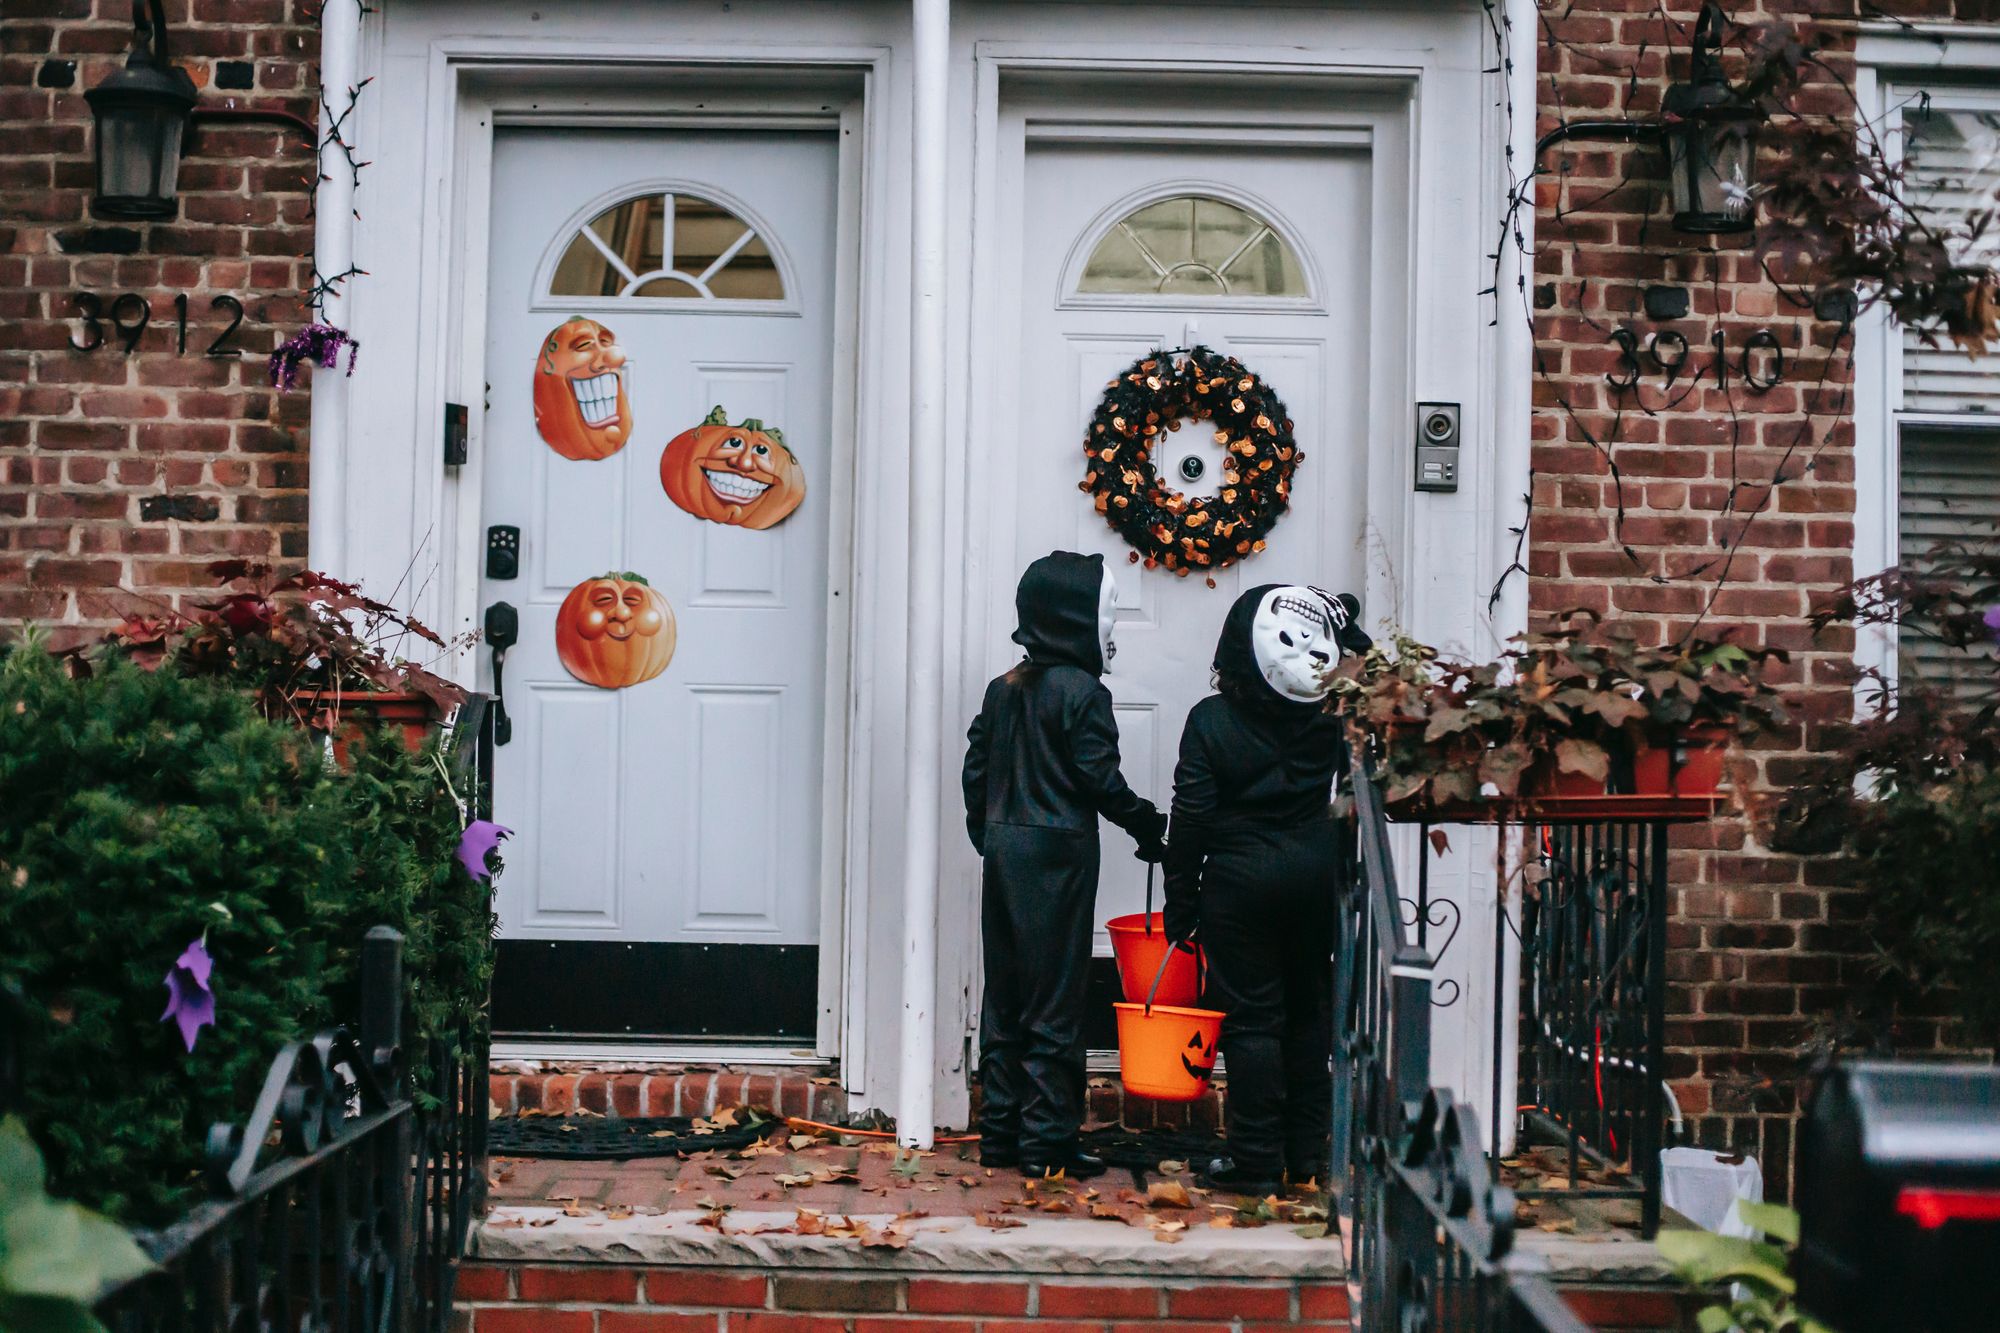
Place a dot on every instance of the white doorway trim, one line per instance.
(470, 85)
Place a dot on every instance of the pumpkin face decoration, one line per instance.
(615, 631)
(580, 405)
(742, 475)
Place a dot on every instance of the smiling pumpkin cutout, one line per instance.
(615, 631)
(742, 475)
(581, 408)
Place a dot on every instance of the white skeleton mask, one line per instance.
(1292, 638)
(1107, 619)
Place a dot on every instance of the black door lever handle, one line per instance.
(503, 631)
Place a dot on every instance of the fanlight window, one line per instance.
(675, 247)
(1193, 245)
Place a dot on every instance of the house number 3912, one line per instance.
(1761, 365)
(130, 312)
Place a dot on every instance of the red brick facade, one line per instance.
(1738, 508)
(133, 471)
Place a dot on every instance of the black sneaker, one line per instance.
(1076, 1166)
(1223, 1175)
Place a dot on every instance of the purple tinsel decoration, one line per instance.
(190, 1002)
(320, 343)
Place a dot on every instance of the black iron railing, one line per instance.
(1429, 1234)
(1593, 1007)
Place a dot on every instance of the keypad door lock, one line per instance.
(1437, 447)
(503, 552)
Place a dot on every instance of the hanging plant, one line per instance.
(1164, 526)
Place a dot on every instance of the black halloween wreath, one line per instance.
(1165, 527)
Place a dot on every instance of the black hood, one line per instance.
(1236, 672)
(1057, 607)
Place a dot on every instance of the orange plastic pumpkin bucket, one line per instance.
(1166, 1051)
(1139, 942)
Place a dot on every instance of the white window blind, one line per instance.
(1950, 491)
(1952, 176)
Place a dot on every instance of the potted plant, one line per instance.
(309, 648)
(1582, 709)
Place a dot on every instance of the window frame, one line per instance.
(1070, 297)
(1958, 66)
(552, 256)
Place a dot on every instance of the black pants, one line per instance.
(1268, 922)
(1037, 900)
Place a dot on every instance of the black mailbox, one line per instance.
(1899, 1198)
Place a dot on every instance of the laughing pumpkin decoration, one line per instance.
(742, 475)
(581, 409)
(615, 631)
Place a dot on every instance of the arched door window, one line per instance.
(1193, 245)
(671, 246)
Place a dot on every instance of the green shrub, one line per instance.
(139, 810)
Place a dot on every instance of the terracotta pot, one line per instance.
(1690, 766)
(1544, 778)
(345, 715)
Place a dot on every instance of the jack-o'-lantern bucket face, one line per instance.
(615, 631)
(742, 475)
(581, 408)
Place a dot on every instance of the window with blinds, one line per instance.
(1950, 491)
(1949, 422)
(1951, 160)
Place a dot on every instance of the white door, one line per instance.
(663, 776)
(1260, 253)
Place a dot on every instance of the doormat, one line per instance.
(608, 1138)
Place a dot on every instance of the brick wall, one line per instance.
(136, 470)
(1764, 949)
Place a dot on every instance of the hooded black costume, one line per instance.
(1041, 764)
(1254, 861)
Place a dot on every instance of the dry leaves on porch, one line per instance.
(996, 1222)
(1168, 1194)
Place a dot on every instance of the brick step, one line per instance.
(560, 1088)
(646, 1090)
(517, 1298)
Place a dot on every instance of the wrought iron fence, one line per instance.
(1429, 1234)
(1593, 999)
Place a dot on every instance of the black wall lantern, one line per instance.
(1709, 132)
(1711, 136)
(142, 115)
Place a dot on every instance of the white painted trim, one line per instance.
(333, 252)
(930, 42)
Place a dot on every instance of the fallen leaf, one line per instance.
(906, 1166)
(1168, 1194)
(1311, 1231)
(617, 1214)
(993, 1223)
(809, 1222)
(543, 1222)
(1106, 1211)
(727, 1171)
(1170, 1167)
(506, 1224)
(970, 1182)
(1563, 1225)
(798, 1141)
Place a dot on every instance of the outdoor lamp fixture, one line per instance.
(144, 113)
(141, 113)
(1709, 131)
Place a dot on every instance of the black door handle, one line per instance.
(503, 631)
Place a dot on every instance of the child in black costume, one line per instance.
(1041, 764)
(1253, 865)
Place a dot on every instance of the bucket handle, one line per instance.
(1148, 918)
(1201, 974)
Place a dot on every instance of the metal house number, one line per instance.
(1761, 364)
(130, 312)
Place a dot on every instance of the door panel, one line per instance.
(683, 810)
(1312, 349)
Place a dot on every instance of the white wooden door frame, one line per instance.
(477, 83)
(1431, 211)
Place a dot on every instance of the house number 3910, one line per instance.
(130, 312)
(1761, 366)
